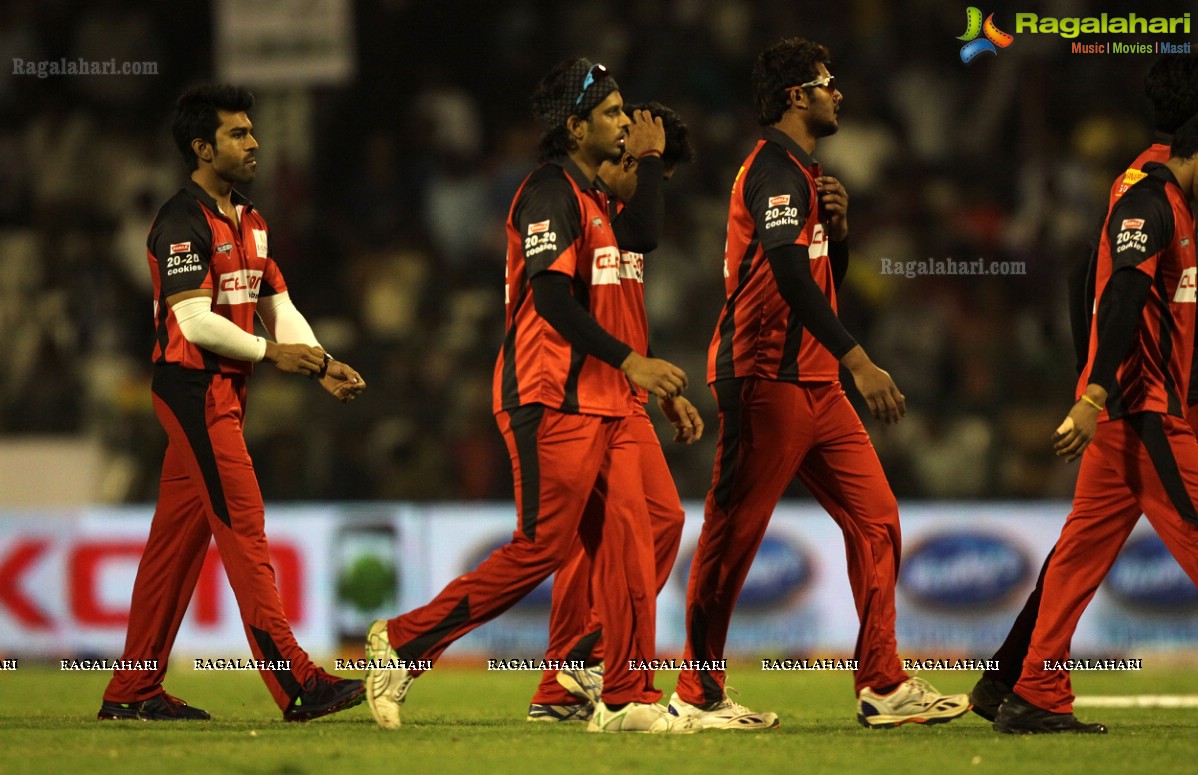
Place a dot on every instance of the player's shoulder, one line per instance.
(1148, 195)
(182, 205)
(548, 178)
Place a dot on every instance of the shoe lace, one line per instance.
(730, 704)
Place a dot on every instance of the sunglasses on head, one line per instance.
(596, 73)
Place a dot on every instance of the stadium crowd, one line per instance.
(387, 197)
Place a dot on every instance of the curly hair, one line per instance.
(789, 62)
(196, 115)
(1172, 88)
(679, 148)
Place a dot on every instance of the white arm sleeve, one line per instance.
(203, 327)
(284, 321)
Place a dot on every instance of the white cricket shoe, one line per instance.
(386, 687)
(638, 717)
(914, 701)
(586, 682)
(725, 714)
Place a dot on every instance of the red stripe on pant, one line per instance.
(1146, 464)
(573, 615)
(557, 460)
(207, 477)
(771, 432)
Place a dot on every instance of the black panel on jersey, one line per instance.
(548, 199)
(181, 241)
(774, 175)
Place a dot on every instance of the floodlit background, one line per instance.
(394, 135)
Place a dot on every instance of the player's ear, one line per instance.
(202, 149)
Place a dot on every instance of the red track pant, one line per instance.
(208, 489)
(771, 432)
(573, 621)
(557, 460)
(1145, 464)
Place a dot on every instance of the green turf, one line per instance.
(463, 720)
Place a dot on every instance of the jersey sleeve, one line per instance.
(1139, 229)
(548, 219)
(778, 196)
(181, 242)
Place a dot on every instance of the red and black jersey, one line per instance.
(193, 246)
(774, 203)
(1151, 229)
(559, 222)
(1081, 279)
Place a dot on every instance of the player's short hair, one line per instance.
(569, 89)
(789, 62)
(1185, 140)
(1172, 88)
(679, 148)
(196, 115)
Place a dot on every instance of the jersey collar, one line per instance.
(1158, 170)
(572, 169)
(196, 190)
(774, 135)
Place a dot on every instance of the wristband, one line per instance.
(1091, 402)
(324, 367)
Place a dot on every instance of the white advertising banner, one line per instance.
(66, 578)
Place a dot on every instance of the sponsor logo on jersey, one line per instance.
(632, 266)
(240, 287)
(260, 243)
(180, 247)
(1131, 238)
(1187, 287)
(224, 247)
(781, 571)
(779, 201)
(819, 244)
(597, 222)
(538, 227)
(963, 570)
(1130, 178)
(605, 266)
(1145, 576)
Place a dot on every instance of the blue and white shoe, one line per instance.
(576, 712)
(586, 683)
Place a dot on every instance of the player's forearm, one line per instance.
(284, 321)
(554, 302)
(792, 273)
(1119, 314)
(639, 225)
(204, 328)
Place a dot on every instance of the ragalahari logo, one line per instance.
(994, 37)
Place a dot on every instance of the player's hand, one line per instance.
(342, 382)
(295, 358)
(682, 414)
(885, 401)
(1077, 430)
(834, 206)
(661, 378)
(645, 133)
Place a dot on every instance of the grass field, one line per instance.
(467, 720)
